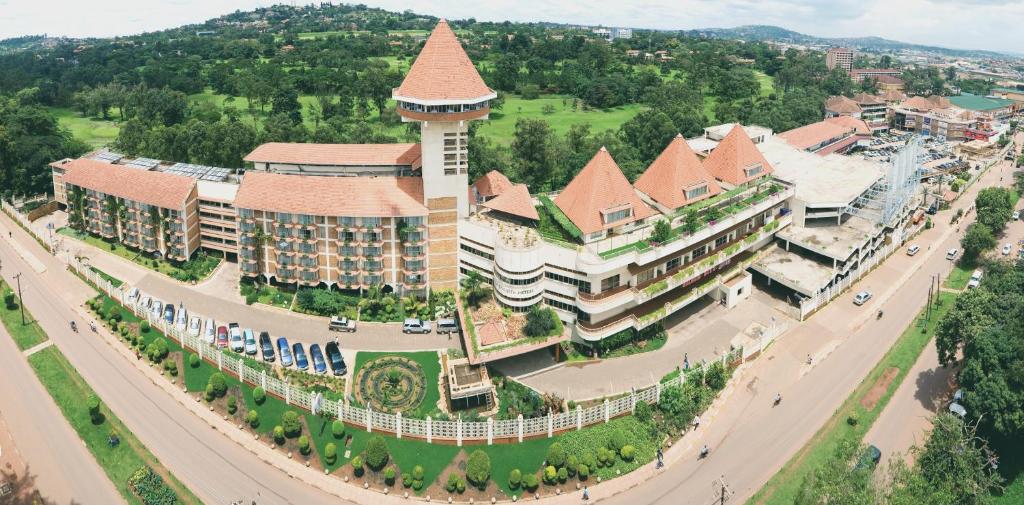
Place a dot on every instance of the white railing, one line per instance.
(428, 429)
(809, 305)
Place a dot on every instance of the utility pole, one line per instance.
(21, 301)
(722, 491)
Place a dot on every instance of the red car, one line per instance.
(222, 337)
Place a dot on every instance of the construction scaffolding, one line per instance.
(889, 198)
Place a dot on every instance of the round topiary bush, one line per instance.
(376, 453)
(144, 327)
(208, 392)
(616, 441)
(604, 456)
(219, 384)
(571, 463)
(417, 472)
(331, 454)
(453, 483)
(389, 475)
(550, 474)
(193, 360)
(253, 418)
(563, 474)
(556, 455)
(259, 396)
(515, 478)
(93, 403)
(628, 452)
(291, 423)
(279, 434)
(304, 445)
(357, 465)
(478, 468)
(583, 471)
(232, 405)
(172, 367)
(588, 460)
(406, 480)
(337, 429)
(530, 482)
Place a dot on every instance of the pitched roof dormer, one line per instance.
(737, 160)
(677, 177)
(600, 197)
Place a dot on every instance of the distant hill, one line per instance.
(777, 34)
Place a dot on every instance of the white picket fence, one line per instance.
(428, 429)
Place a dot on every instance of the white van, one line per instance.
(975, 279)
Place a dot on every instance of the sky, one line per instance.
(973, 24)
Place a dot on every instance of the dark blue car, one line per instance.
(169, 313)
(286, 353)
(300, 356)
(319, 364)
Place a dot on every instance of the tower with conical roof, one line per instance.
(443, 92)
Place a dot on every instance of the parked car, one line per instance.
(222, 337)
(286, 353)
(1016, 215)
(194, 326)
(914, 249)
(301, 362)
(182, 319)
(210, 330)
(447, 326)
(975, 279)
(862, 298)
(235, 333)
(341, 324)
(169, 313)
(415, 326)
(146, 300)
(133, 293)
(319, 365)
(870, 458)
(249, 342)
(951, 254)
(1006, 249)
(266, 346)
(337, 362)
(156, 308)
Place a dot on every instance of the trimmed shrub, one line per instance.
(556, 455)
(715, 377)
(583, 471)
(417, 484)
(144, 327)
(604, 456)
(376, 453)
(389, 475)
(515, 478)
(337, 429)
(9, 300)
(616, 441)
(304, 445)
(453, 483)
(588, 460)
(208, 392)
(530, 482)
(406, 480)
(571, 463)
(253, 418)
(93, 402)
(628, 452)
(478, 468)
(259, 396)
(460, 486)
(331, 455)
(417, 472)
(563, 474)
(279, 434)
(291, 424)
(219, 384)
(550, 474)
(157, 350)
(193, 360)
(232, 405)
(172, 367)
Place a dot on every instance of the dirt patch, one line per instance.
(879, 388)
(437, 491)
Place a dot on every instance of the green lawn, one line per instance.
(107, 277)
(432, 457)
(766, 81)
(25, 336)
(92, 131)
(267, 294)
(431, 365)
(201, 265)
(527, 457)
(958, 277)
(501, 126)
(69, 392)
(784, 485)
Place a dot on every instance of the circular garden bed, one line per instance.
(391, 384)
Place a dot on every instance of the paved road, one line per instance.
(64, 469)
(750, 439)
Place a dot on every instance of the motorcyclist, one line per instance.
(74, 327)
(778, 398)
(92, 326)
(879, 313)
(704, 451)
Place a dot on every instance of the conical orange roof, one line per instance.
(515, 201)
(443, 72)
(674, 171)
(600, 190)
(737, 160)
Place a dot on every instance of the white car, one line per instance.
(912, 250)
(133, 293)
(144, 303)
(1016, 215)
(194, 326)
(861, 298)
(951, 254)
(157, 309)
(1006, 249)
(181, 318)
(210, 331)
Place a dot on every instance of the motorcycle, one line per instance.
(778, 399)
(704, 451)
(74, 327)
(879, 316)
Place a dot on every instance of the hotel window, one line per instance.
(477, 252)
(372, 266)
(248, 227)
(646, 275)
(414, 236)
(584, 286)
(609, 283)
(414, 278)
(696, 192)
(349, 265)
(413, 251)
(282, 232)
(371, 237)
(673, 263)
(753, 171)
(371, 222)
(307, 248)
(347, 251)
(346, 221)
(307, 234)
(720, 241)
(305, 220)
(414, 265)
(308, 262)
(373, 279)
(698, 252)
(371, 252)
(349, 280)
(284, 217)
(618, 215)
(413, 221)
(347, 236)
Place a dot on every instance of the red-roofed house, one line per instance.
(833, 135)
(676, 178)
(600, 199)
(489, 185)
(736, 160)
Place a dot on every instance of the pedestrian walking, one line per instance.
(586, 495)
(696, 422)
(661, 458)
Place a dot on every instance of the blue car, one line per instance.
(169, 313)
(300, 356)
(286, 353)
(319, 364)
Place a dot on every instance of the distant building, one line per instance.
(611, 34)
(889, 83)
(1015, 94)
(860, 74)
(833, 135)
(993, 108)
(839, 57)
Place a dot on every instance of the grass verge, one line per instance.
(198, 268)
(958, 277)
(428, 361)
(782, 488)
(27, 335)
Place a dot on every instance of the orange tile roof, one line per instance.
(147, 186)
(892, 95)
(919, 103)
(868, 99)
(734, 154)
(859, 125)
(491, 184)
(842, 105)
(515, 201)
(443, 72)
(814, 134)
(888, 79)
(600, 187)
(294, 153)
(332, 196)
(673, 171)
